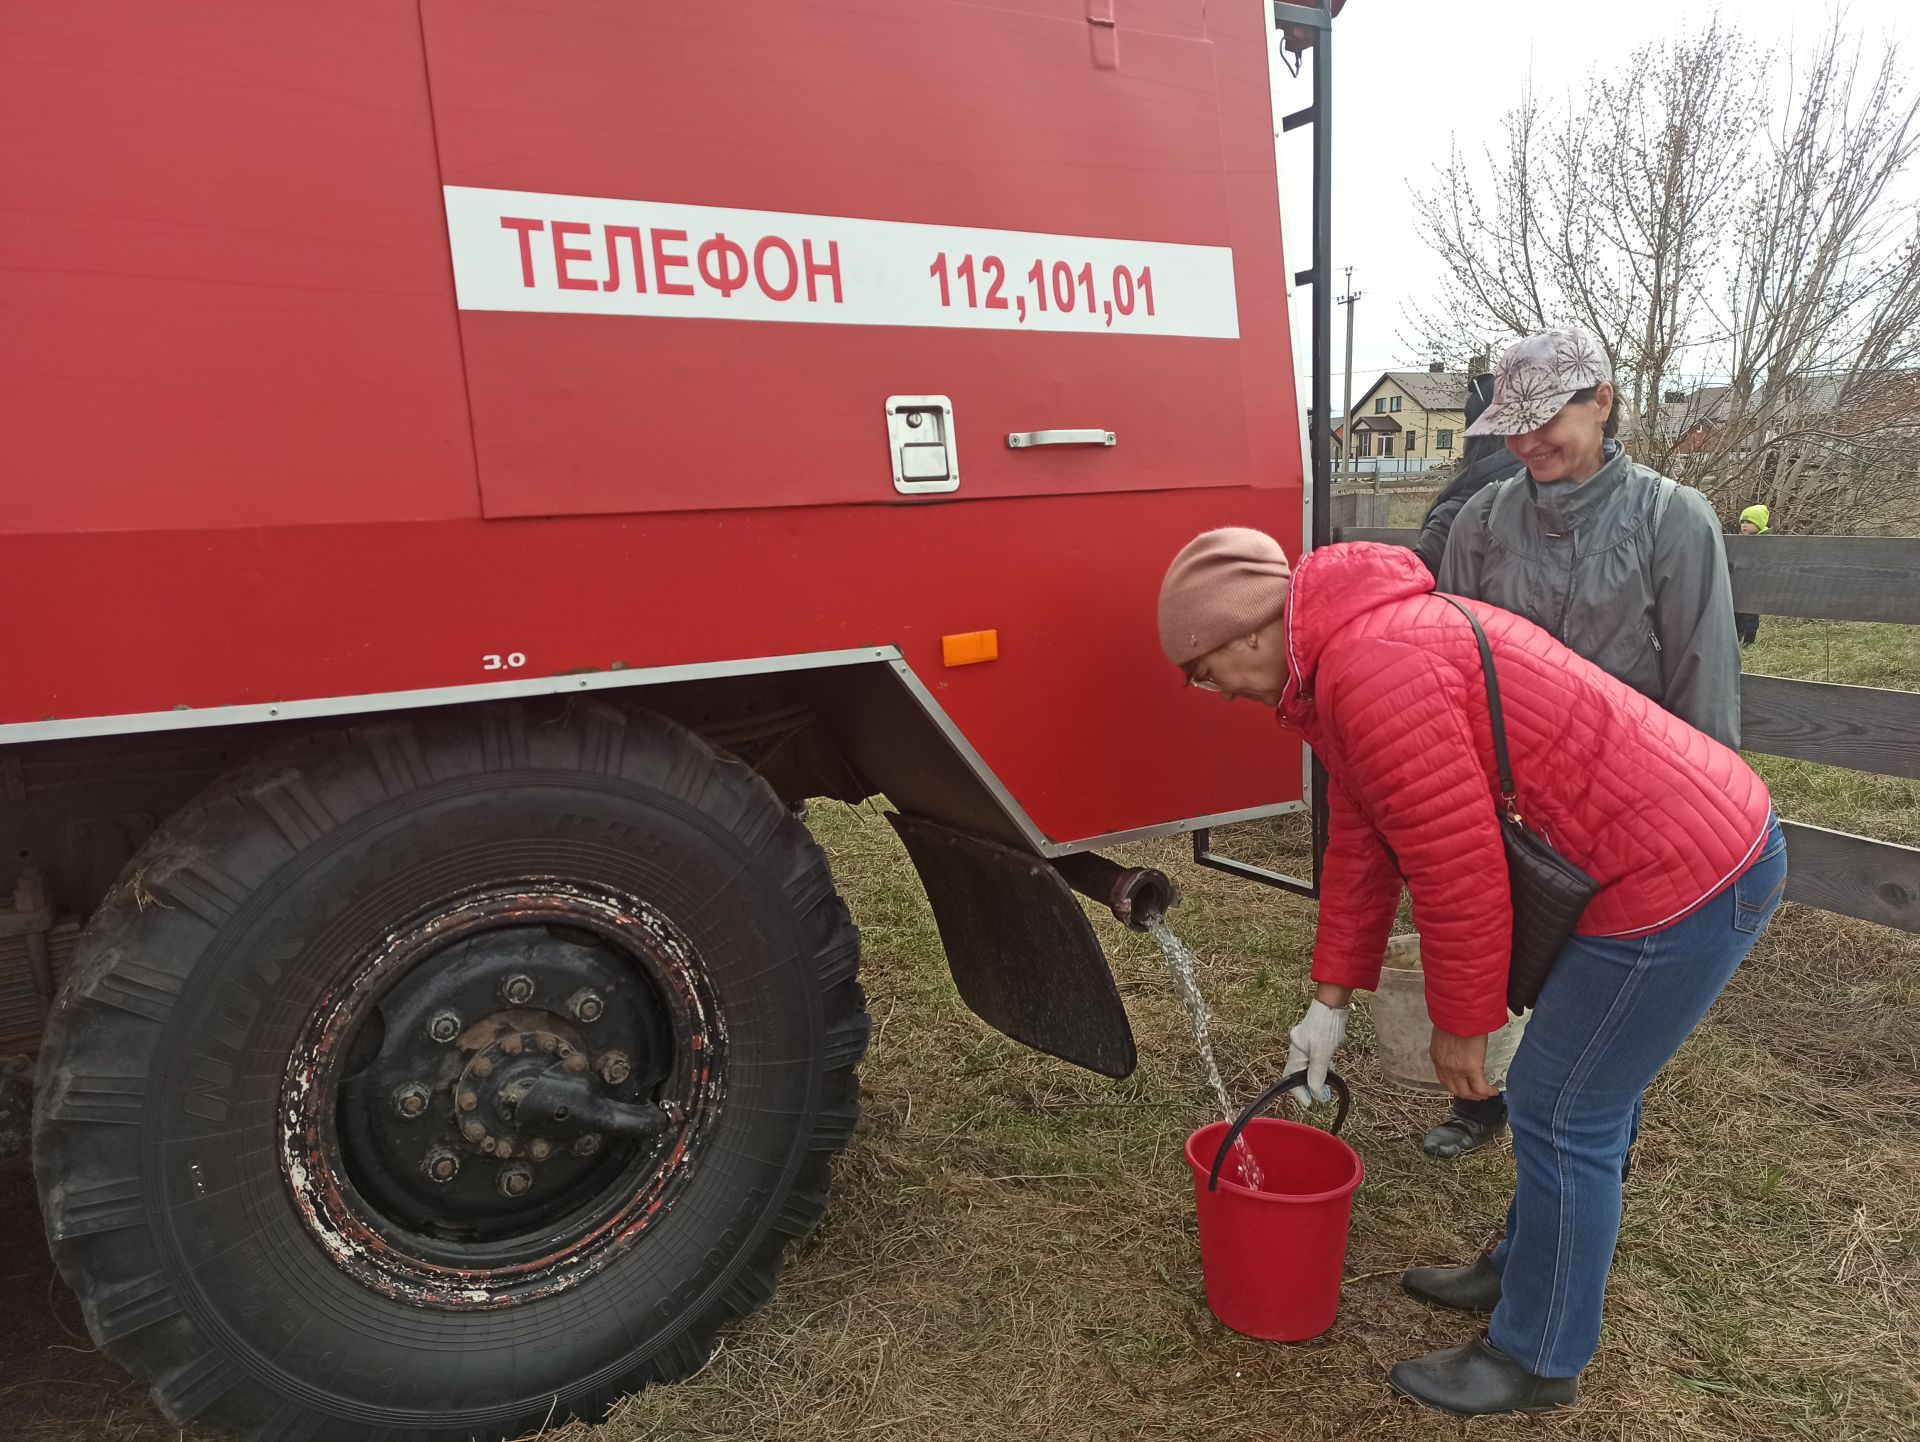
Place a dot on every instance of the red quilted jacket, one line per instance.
(1384, 681)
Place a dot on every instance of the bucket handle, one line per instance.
(1259, 1104)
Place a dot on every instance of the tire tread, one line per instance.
(121, 992)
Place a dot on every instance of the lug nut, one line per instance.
(517, 989)
(442, 1165)
(474, 1131)
(515, 1179)
(574, 1064)
(586, 1146)
(539, 1149)
(615, 1068)
(481, 1067)
(468, 1099)
(513, 1045)
(586, 1006)
(444, 1026)
(410, 1099)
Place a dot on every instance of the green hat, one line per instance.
(1757, 514)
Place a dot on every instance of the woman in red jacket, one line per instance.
(1383, 678)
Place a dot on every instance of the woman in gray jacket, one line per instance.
(1620, 564)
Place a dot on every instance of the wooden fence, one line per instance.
(1862, 728)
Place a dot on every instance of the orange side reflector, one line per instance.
(970, 648)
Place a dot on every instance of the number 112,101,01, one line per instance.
(979, 285)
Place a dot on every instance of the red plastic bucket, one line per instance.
(1273, 1258)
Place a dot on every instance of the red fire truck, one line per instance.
(472, 470)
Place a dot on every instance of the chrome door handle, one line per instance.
(1021, 440)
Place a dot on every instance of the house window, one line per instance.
(1413, 443)
(1443, 440)
(1386, 446)
(1365, 446)
(1393, 404)
(1379, 405)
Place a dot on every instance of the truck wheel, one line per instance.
(442, 1079)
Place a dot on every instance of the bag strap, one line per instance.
(1500, 759)
(1662, 499)
(1499, 489)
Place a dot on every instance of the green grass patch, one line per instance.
(1851, 653)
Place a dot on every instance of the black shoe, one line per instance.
(1474, 1288)
(1476, 1381)
(1458, 1135)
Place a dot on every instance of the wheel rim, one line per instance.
(504, 1095)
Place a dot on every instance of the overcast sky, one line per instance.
(1412, 76)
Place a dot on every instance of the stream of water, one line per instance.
(1180, 966)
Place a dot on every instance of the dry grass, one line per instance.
(1012, 1246)
(1011, 1249)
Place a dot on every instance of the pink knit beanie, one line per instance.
(1223, 584)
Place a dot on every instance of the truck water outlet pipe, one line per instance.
(1135, 894)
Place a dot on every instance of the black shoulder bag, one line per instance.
(1549, 891)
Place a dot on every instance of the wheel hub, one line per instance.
(528, 1066)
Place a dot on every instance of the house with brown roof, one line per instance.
(1410, 420)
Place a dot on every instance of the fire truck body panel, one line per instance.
(226, 265)
(247, 421)
(1001, 145)
(470, 471)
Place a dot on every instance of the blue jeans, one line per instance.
(1611, 1015)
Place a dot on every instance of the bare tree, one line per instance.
(1749, 266)
(1493, 281)
(1606, 215)
(1672, 144)
(1818, 336)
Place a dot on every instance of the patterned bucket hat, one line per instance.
(1536, 377)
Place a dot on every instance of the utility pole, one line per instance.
(1346, 414)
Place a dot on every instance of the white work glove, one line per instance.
(1315, 1040)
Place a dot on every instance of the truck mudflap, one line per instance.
(1022, 951)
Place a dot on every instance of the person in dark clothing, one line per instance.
(1753, 522)
(1471, 1123)
(1486, 460)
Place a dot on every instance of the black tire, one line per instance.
(169, 1110)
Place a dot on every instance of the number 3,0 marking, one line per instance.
(512, 661)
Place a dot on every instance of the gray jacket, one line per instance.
(1649, 604)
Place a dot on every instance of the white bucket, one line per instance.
(1403, 1032)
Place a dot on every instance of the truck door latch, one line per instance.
(920, 436)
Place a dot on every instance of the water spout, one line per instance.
(1136, 895)
(1181, 967)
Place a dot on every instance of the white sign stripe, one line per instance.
(517, 250)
